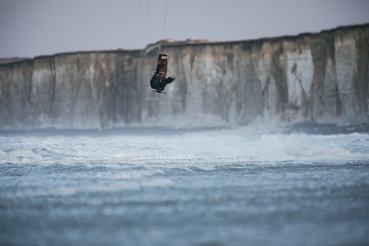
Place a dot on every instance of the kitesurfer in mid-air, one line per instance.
(158, 80)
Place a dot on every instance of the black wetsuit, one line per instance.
(159, 83)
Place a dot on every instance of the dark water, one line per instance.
(219, 187)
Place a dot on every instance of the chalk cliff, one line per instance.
(322, 77)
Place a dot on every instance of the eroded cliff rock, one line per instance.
(320, 77)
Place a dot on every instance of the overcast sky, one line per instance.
(30, 28)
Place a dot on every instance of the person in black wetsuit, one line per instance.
(158, 83)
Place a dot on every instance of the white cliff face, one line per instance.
(267, 66)
(300, 72)
(331, 98)
(345, 60)
(313, 77)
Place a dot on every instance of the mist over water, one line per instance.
(184, 187)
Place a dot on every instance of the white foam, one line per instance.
(133, 162)
(205, 149)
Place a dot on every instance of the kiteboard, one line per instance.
(163, 65)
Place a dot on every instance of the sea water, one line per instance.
(183, 187)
